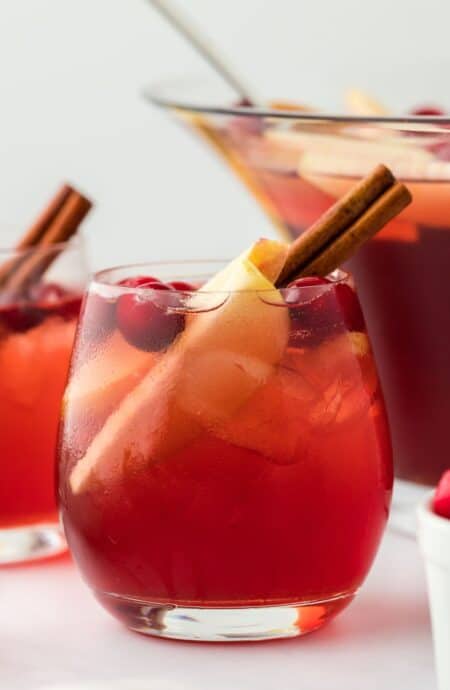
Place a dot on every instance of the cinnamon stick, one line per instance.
(58, 222)
(368, 224)
(44, 220)
(34, 234)
(345, 226)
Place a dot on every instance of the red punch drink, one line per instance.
(35, 346)
(225, 464)
(37, 329)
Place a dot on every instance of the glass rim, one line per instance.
(100, 278)
(11, 252)
(153, 94)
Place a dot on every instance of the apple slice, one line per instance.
(99, 384)
(408, 163)
(220, 359)
(269, 256)
(430, 193)
(329, 152)
(107, 373)
(213, 400)
(361, 103)
(341, 144)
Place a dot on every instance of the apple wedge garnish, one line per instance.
(209, 372)
(268, 256)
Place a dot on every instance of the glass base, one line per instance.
(30, 543)
(223, 624)
(407, 496)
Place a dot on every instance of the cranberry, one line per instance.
(20, 317)
(428, 110)
(48, 293)
(156, 285)
(244, 103)
(182, 286)
(138, 281)
(245, 125)
(309, 281)
(68, 308)
(145, 323)
(318, 314)
(55, 300)
(350, 309)
(441, 500)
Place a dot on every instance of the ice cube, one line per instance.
(245, 337)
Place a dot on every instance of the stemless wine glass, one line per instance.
(225, 464)
(297, 164)
(37, 328)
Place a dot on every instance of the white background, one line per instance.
(70, 107)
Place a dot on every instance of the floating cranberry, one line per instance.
(350, 308)
(55, 300)
(139, 281)
(68, 308)
(441, 500)
(246, 125)
(20, 317)
(44, 300)
(317, 314)
(48, 293)
(146, 322)
(308, 281)
(245, 102)
(182, 286)
(428, 111)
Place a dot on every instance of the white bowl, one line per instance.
(434, 540)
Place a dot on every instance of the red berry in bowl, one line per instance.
(245, 125)
(146, 322)
(20, 317)
(244, 102)
(48, 293)
(441, 500)
(428, 110)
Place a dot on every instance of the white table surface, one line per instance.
(53, 634)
